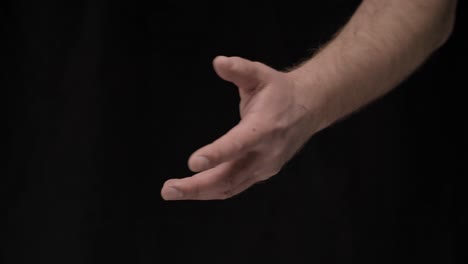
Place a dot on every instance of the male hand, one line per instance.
(382, 43)
(273, 127)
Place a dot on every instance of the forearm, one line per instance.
(383, 43)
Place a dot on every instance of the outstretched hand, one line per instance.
(273, 127)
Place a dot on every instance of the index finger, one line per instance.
(241, 139)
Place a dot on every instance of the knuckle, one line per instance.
(272, 154)
(226, 187)
(267, 173)
(280, 130)
(238, 145)
(228, 183)
(276, 154)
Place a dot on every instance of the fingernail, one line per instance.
(172, 193)
(200, 163)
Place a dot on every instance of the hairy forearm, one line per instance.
(383, 43)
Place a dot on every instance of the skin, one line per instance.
(381, 45)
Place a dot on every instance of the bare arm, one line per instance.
(383, 43)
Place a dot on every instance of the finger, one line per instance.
(216, 183)
(202, 186)
(241, 139)
(247, 75)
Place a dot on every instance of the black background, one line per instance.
(107, 99)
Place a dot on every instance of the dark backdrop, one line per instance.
(107, 99)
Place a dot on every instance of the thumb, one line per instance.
(246, 74)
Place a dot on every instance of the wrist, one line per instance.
(313, 93)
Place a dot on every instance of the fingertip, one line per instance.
(218, 60)
(222, 65)
(169, 192)
(198, 163)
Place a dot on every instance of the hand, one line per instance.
(273, 127)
